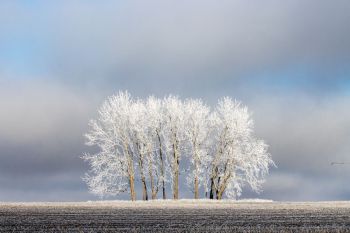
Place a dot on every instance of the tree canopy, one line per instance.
(153, 141)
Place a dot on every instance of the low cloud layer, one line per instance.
(289, 62)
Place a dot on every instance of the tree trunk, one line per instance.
(196, 167)
(223, 185)
(163, 189)
(221, 190)
(144, 188)
(132, 188)
(212, 182)
(217, 189)
(196, 195)
(176, 178)
(130, 170)
(162, 165)
(131, 179)
(212, 188)
(176, 171)
(143, 181)
(219, 196)
(151, 178)
(143, 178)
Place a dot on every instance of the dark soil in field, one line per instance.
(175, 217)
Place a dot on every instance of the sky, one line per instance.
(288, 61)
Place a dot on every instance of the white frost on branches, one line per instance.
(151, 138)
(197, 131)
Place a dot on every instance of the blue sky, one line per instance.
(288, 61)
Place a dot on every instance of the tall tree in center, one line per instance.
(197, 131)
(174, 134)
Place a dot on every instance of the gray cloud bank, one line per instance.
(168, 41)
(288, 61)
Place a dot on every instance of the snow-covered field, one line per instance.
(176, 216)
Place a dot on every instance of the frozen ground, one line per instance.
(176, 216)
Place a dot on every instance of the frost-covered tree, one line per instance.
(148, 139)
(197, 132)
(239, 158)
(147, 126)
(174, 138)
(154, 119)
(112, 168)
(140, 140)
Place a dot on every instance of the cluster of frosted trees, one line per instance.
(157, 143)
